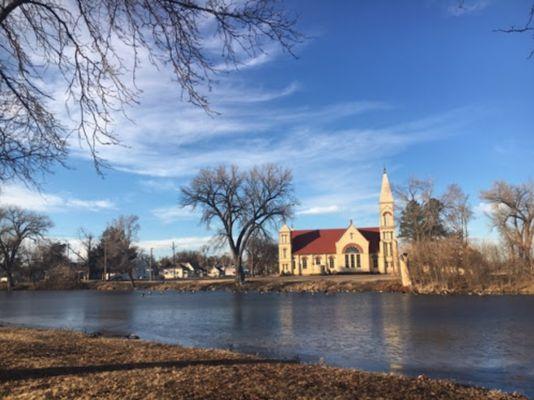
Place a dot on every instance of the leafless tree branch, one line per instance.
(79, 43)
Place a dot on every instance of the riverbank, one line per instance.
(37, 363)
(288, 284)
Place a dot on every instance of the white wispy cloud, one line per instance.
(21, 196)
(171, 214)
(332, 152)
(460, 8)
(159, 185)
(332, 209)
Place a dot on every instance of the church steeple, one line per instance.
(386, 196)
(388, 260)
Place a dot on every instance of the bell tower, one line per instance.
(286, 266)
(388, 259)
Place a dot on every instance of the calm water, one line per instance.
(486, 341)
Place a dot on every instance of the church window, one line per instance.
(352, 257)
(304, 263)
(387, 219)
(318, 260)
(331, 261)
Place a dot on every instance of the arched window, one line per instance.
(352, 257)
(387, 219)
(331, 262)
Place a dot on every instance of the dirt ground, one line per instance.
(284, 284)
(51, 364)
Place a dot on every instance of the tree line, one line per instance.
(28, 255)
(434, 231)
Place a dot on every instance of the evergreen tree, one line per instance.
(433, 225)
(412, 221)
(422, 221)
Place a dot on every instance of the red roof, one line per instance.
(323, 241)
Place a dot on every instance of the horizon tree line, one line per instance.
(243, 206)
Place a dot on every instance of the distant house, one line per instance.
(215, 272)
(180, 271)
(221, 271)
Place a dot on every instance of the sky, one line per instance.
(423, 88)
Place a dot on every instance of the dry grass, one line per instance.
(37, 364)
(451, 266)
(310, 284)
(433, 270)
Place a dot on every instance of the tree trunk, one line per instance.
(10, 281)
(130, 275)
(239, 272)
(240, 275)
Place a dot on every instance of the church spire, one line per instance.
(385, 192)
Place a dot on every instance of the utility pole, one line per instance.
(150, 263)
(173, 255)
(105, 277)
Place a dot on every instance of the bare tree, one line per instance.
(81, 44)
(242, 203)
(262, 255)
(87, 253)
(43, 256)
(16, 226)
(512, 213)
(415, 189)
(118, 244)
(457, 211)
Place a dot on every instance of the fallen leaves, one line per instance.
(60, 364)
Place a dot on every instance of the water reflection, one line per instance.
(485, 341)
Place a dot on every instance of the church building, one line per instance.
(343, 250)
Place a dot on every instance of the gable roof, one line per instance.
(323, 241)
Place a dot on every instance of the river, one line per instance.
(484, 341)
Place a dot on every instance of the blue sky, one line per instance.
(422, 87)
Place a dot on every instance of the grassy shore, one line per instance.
(56, 364)
(288, 284)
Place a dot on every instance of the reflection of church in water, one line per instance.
(351, 249)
